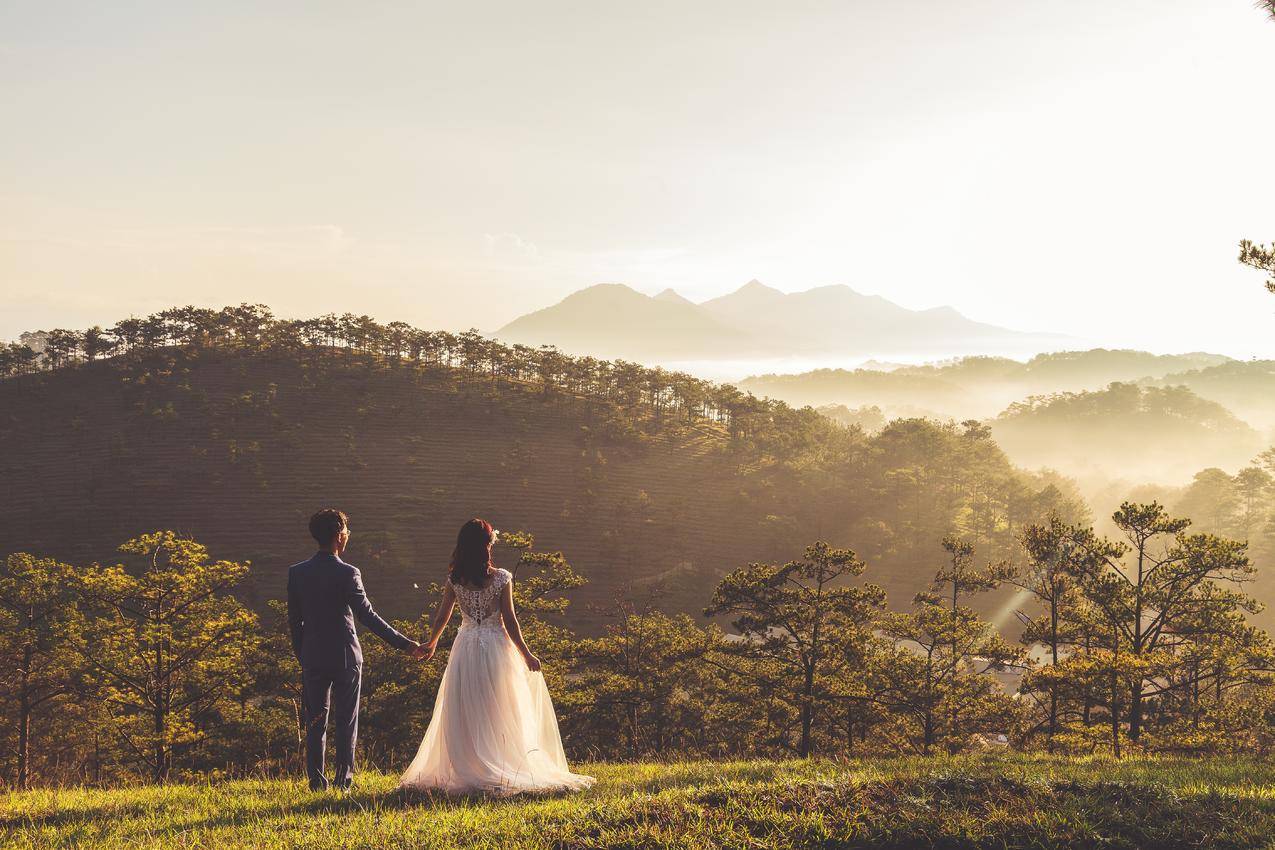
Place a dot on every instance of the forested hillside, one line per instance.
(1105, 418)
(1245, 388)
(980, 387)
(232, 427)
(1150, 434)
(905, 590)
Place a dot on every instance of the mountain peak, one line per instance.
(673, 295)
(615, 320)
(605, 288)
(756, 287)
(604, 294)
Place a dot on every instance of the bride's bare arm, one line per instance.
(511, 625)
(442, 614)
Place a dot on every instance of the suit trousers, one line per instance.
(337, 690)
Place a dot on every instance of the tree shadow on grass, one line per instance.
(74, 815)
(359, 800)
(674, 776)
(403, 798)
(305, 803)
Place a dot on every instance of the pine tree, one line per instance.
(795, 620)
(1154, 592)
(36, 621)
(164, 643)
(935, 673)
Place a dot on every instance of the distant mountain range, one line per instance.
(613, 320)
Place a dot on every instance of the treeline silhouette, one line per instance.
(253, 327)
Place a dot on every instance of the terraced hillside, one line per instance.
(236, 448)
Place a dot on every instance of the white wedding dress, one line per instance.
(493, 729)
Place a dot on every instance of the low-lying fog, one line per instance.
(1113, 420)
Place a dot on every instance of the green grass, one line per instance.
(994, 802)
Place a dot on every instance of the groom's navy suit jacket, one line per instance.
(325, 594)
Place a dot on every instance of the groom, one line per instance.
(325, 594)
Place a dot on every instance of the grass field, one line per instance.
(995, 802)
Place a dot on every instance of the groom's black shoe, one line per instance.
(318, 786)
(344, 787)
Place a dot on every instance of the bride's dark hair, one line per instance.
(472, 556)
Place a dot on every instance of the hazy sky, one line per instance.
(1083, 167)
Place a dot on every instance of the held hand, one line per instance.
(422, 652)
(533, 663)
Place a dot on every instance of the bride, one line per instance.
(493, 729)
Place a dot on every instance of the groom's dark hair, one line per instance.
(327, 524)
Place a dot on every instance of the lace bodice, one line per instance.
(480, 606)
